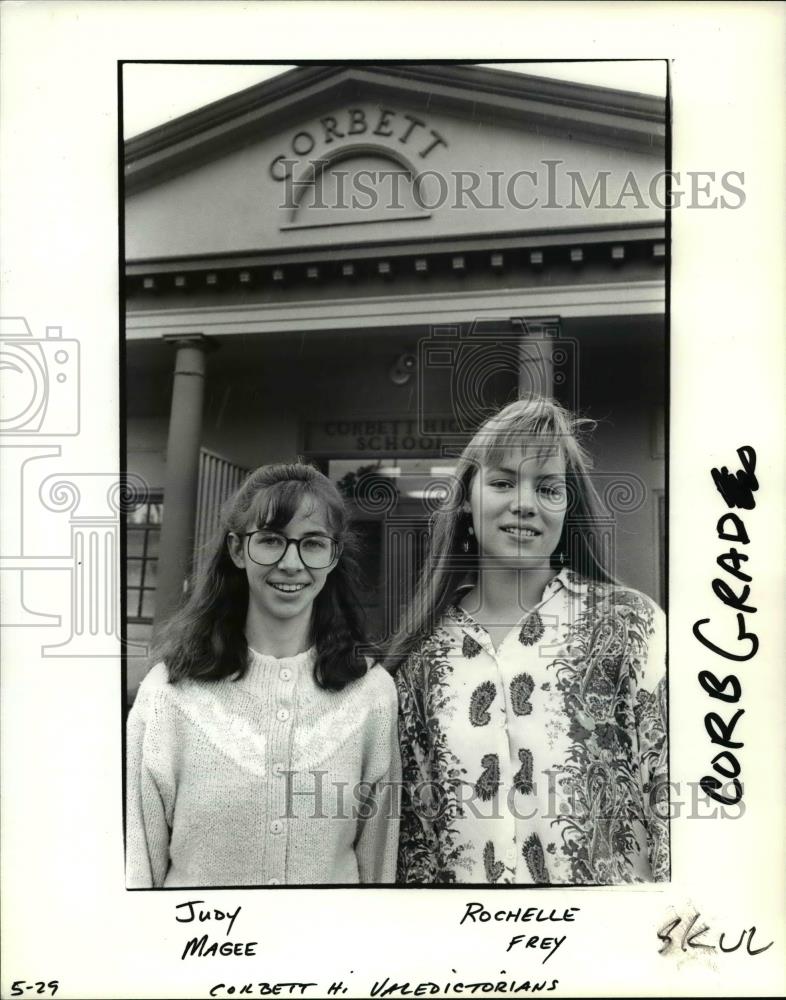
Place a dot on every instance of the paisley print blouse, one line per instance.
(545, 760)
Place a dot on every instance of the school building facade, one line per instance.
(357, 264)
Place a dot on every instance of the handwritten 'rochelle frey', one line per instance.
(477, 913)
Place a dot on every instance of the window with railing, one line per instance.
(218, 480)
(143, 531)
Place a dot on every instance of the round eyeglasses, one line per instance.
(266, 548)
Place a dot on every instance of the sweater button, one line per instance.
(276, 826)
(274, 881)
(282, 714)
(285, 674)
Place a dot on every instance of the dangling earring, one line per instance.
(562, 558)
(465, 543)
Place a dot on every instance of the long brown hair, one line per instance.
(536, 424)
(205, 639)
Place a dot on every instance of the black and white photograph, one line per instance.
(396, 394)
(391, 499)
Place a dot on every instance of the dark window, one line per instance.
(143, 531)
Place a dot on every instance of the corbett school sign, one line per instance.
(381, 437)
(357, 126)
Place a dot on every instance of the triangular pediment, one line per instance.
(240, 174)
(620, 117)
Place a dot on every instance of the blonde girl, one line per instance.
(531, 684)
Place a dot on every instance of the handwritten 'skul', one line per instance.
(737, 490)
(690, 937)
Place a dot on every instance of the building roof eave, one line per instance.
(622, 118)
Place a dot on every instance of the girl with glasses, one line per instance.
(263, 749)
(531, 684)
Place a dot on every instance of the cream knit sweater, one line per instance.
(268, 780)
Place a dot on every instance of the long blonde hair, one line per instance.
(539, 425)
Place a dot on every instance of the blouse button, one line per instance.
(274, 881)
(276, 826)
(285, 674)
(282, 714)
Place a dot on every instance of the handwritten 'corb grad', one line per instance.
(737, 490)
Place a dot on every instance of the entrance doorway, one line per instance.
(392, 501)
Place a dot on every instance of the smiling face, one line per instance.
(518, 508)
(286, 589)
